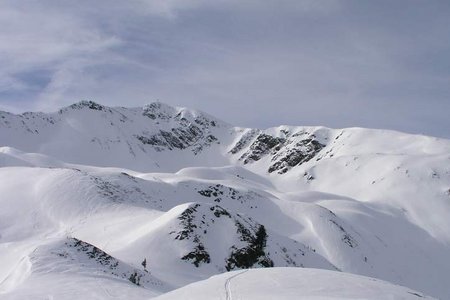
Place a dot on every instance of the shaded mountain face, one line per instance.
(139, 201)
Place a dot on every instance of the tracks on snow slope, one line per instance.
(228, 285)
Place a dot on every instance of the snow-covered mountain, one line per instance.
(103, 202)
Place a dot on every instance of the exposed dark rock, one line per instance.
(219, 211)
(194, 135)
(244, 141)
(93, 252)
(221, 192)
(193, 228)
(346, 237)
(198, 255)
(187, 222)
(253, 254)
(263, 145)
(107, 264)
(158, 111)
(172, 141)
(285, 153)
(303, 151)
(135, 278)
(212, 191)
(152, 140)
(88, 104)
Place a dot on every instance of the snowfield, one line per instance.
(117, 203)
(291, 284)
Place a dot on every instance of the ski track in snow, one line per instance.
(229, 295)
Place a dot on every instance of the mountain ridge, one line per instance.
(126, 181)
(159, 127)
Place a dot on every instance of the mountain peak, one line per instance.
(87, 104)
(158, 110)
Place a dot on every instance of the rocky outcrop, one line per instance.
(285, 152)
(251, 245)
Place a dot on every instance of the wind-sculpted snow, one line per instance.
(110, 202)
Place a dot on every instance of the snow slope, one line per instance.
(291, 283)
(170, 196)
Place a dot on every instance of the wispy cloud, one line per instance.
(336, 63)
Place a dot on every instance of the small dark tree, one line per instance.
(144, 264)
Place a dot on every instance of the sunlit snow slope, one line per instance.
(103, 203)
(291, 284)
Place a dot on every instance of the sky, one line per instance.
(355, 63)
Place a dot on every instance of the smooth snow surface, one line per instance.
(131, 203)
(291, 284)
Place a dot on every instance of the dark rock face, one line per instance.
(174, 141)
(76, 249)
(179, 138)
(302, 152)
(286, 152)
(87, 104)
(219, 192)
(195, 222)
(253, 254)
(152, 140)
(187, 222)
(158, 110)
(199, 254)
(194, 133)
(244, 141)
(94, 253)
(263, 145)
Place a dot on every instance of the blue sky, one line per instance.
(379, 64)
